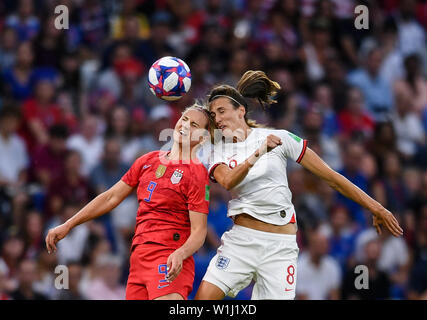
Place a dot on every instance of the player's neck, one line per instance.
(178, 153)
(241, 134)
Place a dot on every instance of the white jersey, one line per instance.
(264, 193)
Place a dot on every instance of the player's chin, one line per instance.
(227, 133)
(177, 136)
(182, 140)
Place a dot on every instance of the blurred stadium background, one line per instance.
(76, 111)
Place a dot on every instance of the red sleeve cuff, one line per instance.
(211, 171)
(304, 147)
(125, 180)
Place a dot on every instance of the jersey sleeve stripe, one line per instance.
(211, 171)
(304, 147)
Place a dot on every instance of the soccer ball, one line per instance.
(169, 78)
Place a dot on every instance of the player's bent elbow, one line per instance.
(227, 186)
(225, 183)
(229, 182)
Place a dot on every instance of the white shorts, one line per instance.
(270, 259)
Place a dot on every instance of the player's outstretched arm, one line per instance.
(312, 162)
(229, 178)
(103, 203)
(196, 239)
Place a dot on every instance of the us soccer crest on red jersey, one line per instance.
(176, 176)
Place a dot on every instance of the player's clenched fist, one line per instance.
(54, 235)
(270, 143)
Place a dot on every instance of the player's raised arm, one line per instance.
(229, 178)
(103, 203)
(312, 162)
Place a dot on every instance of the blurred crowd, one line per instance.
(76, 111)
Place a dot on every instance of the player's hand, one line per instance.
(174, 265)
(386, 218)
(54, 235)
(269, 144)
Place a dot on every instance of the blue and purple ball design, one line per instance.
(169, 78)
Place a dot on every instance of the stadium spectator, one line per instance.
(12, 252)
(395, 189)
(201, 75)
(88, 142)
(118, 127)
(41, 112)
(14, 159)
(130, 72)
(336, 78)
(412, 36)
(18, 79)
(93, 24)
(48, 160)
(107, 78)
(50, 45)
(105, 174)
(47, 275)
(27, 275)
(24, 22)
(378, 286)
(69, 67)
(317, 49)
(377, 91)
(407, 124)
(414, 82)
(392, 67)
(97, 246)
(383, 141)
(214, 36)
(313, 124)
(323, 100)
(319, 274)
(341, 236)
(106, 285)
(75, 271)
(8, 45)
(137, 40)
(392, 257)
(354, 120)
(128, 9)
(33, 233)
(70, 186)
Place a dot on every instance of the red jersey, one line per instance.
(166, 192)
